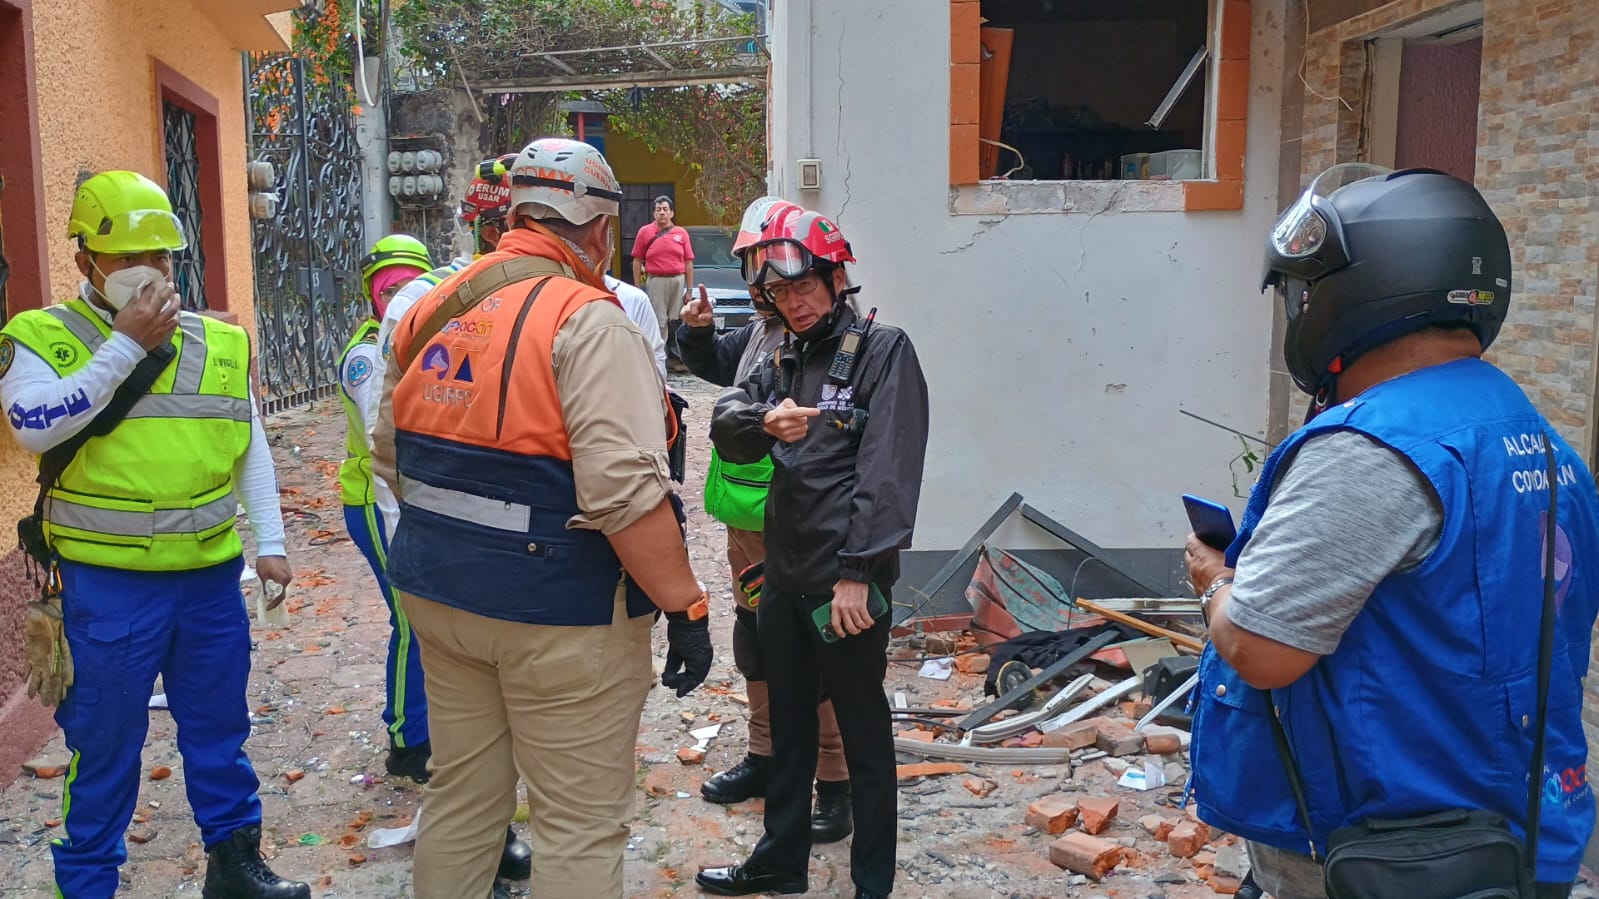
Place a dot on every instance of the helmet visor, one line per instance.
(137, 231)
(784, 258)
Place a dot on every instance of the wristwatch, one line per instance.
(1210, 592)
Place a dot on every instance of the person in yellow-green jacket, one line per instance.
(370, 511)
(139, 537)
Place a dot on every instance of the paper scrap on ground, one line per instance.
(1148, 778)
(938, 669)
(394, 836)
(158, 701)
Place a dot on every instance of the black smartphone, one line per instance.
(1212, 522)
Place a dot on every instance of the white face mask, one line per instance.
(123, 285)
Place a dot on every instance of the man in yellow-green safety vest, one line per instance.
(139, 532)
(370, 511)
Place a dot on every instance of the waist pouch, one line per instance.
(735, 494)
(1457, 854)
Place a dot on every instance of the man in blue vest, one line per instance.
(1387, 583)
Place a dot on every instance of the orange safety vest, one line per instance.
(484, 462)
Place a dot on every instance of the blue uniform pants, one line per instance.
(405, 704)
(124, 628)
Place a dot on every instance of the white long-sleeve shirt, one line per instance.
(636, 303)
(45, 409)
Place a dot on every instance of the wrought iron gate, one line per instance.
(307, 256)
(178, 127)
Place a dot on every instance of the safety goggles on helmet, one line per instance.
(782, 259)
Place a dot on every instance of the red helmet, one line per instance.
(795, 241)
(488, 196)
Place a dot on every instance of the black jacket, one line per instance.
(711, 356)
(843, 500)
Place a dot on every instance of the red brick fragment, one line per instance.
(1052, 814)
(1096, 814)
(1186, 839)
(1083, 854)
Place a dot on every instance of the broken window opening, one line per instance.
(1102, 91)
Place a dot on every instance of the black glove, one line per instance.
(688, 654)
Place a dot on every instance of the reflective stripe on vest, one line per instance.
(468, 507)
(64, 513)
(156, 494)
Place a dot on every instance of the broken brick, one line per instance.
(1078, 735)
(1163, 744)
(44, 768)
(1083, 854)
(972, 663)
(689, 755)
(293, 776)
(1053, 814)
(920, 736)
(928, 769)
(1156, 826)
(1186, 839)
(1204, 858)
(980, 786)
(1096, 814)
(160, 772)
(1223, 884)
(1115, 738)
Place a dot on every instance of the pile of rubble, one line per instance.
(1116, 812)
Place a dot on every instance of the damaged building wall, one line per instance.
(1539, 89)
(1059, 346)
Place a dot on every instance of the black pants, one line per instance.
(798, 664)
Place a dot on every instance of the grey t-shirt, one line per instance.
(1345, 514)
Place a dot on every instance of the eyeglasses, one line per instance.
(779, 294)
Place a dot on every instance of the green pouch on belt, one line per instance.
(735, 495)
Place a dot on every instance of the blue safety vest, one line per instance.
(1428, 702)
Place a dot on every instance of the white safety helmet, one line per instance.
(566, 178)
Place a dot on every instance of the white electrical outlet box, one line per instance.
(810, 174)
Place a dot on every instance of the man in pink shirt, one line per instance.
(663, 263)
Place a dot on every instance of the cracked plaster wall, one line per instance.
(1059, 346)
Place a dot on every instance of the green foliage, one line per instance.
(718, 130)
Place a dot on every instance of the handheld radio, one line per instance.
(849, 349)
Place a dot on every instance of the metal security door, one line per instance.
(307, 256)
(183, 186)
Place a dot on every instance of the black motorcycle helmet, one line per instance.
(1368, 255)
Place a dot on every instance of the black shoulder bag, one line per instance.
(1451, 854)
(53, 463)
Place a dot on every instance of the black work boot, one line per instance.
(745, 780)
(831, 821)
(516, 862)
(411, 761)
(234, 869)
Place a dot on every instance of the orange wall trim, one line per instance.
(1230, 104)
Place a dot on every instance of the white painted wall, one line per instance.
(1058, 347)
